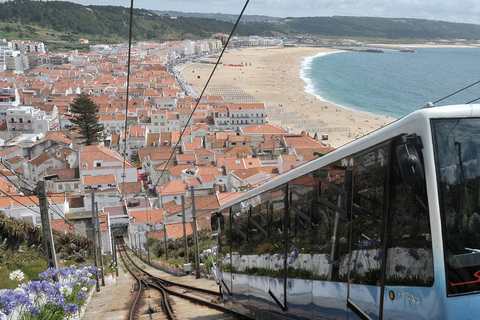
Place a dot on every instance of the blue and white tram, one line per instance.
(386, 227)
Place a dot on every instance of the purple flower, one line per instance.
(22, 297)
(372, 243)
(294, 252)
(414, 253)
(81, 296)
(8, 301)
(378, 257)
(334, 262)
(363, 244)
(90, 282)
(33, 310)
(359, 265)
(367, 255)
(57, 300)
(400, 268)
(70, 308)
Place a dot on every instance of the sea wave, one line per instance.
(306, 65)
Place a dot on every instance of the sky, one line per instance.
(463, 11)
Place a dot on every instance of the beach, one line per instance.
(272, 75)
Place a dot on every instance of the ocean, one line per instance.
(393, 83)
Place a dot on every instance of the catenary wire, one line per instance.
(452, 94)
(28, 196)
(471, 101)
(59, 213)
(205, 87)
(128, 88)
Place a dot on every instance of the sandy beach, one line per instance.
(272, 75)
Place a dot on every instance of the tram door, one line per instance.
(366, 211)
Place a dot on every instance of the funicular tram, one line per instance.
(386, 227)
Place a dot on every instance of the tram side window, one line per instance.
(257, 235)
(238, 238)
(225, 245)
(409, 254)
(266, 240)
(457, 160)
(370, 173)
(318, 247)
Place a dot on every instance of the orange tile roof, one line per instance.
(172, 187)
(99, 180)
(62, 226)
(9, 150)
(263, 129)
(15, 201)
(175, 230)
(177, 170)
(147, 215)
(227, 196)
(302, 141)
(176, 209)
(186, 157)
(247, 173)
(246, 106)
(89, 154)
(217, 171)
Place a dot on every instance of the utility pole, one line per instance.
(165, 240)
(140, 244)
(100, 243)
(139, 253)
(135, 240)
(114, 251)
(46, 227)
(197, 259)
(148, 249)
(149, 228)
(95, 241)
(184, 230)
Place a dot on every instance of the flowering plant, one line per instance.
(48, 298)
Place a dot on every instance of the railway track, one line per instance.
(159, 298)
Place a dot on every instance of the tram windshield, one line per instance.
(457, 152)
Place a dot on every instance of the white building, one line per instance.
(26, 208)
(30, 120)
(28, 46)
